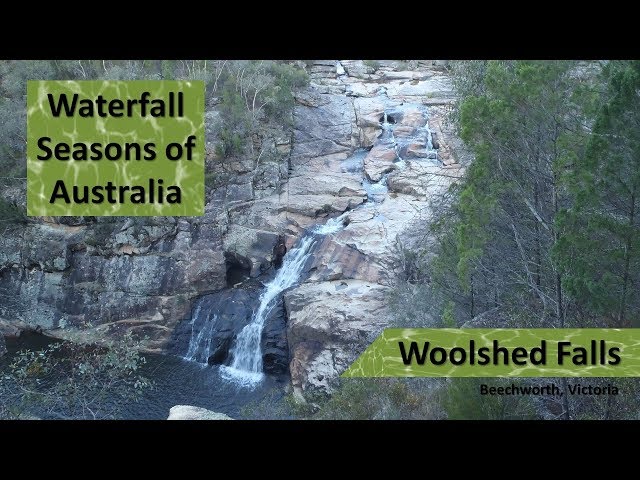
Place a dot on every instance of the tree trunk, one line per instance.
(627, 261)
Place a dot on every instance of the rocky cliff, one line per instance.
(363, 142)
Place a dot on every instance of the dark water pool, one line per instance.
(177, 382)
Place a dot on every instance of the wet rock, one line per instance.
(379, 161)
(422, 179)
(279, 251)
(220, 317)
(335, 185)
(275, 348)
(188, 412)
(415, 150)
(404, 131)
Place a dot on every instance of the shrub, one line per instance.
(372, 64)
(73, 381)
(461, 400)
(380, 399)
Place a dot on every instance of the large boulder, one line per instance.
(189, 412)
(369, 113)
(329, 325)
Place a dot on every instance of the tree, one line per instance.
(522, 122)
(600, 247)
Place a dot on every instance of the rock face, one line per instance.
(219, 316)
(111, 275)
(116, 275)
(329, 322)
(371, 142)
(188, 412)
(342, 305)
(3, 347)
(216, 319)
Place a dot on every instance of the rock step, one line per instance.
(323, 69)
(329, 63)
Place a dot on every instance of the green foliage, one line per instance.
(254, 93)
(11, 214)
(280, 100)
(73, 381)
(523, 123)
(372, 64)
(448, 315)
(167, 69)
(13, 85)
(623, 406)
(599, 250)
(379, 399)
(275, 406)
(543, 230)
(461, 400)
(251, 91)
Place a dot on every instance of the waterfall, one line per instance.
(399, 161)
(246, 352)
(433, 153)
(200, 345)
(332, 225)
(385, 122)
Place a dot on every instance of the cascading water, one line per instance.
(246, 365)
(246, 352)
(432, 152)
(200, 345)
(386, 127)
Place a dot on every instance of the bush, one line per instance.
(381, 399)
(461, 400)
(254, 92)
(372, 64)
(73, 381)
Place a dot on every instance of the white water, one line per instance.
(333, 225)
(246, 352)
(376, 192)
(200, 345)
(193, 345)
(399, 161)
